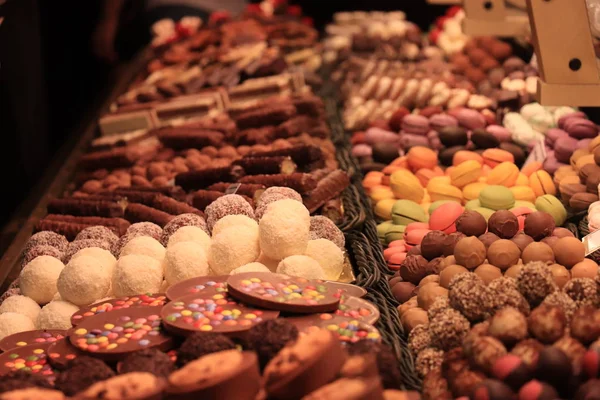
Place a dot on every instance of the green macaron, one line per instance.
(472, 204)
(552, 206)
(382, 228)
(523, 203)
(395, 232)
(486, 212)
(496, 197)
(405, 212)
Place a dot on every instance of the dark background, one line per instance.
(50, 83)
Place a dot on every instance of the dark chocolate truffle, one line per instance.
(22, 380)
(450, 242)
(147, 360)
(82, 373)
(403, 291)
(413, 269)
(432, 245)
(522, 240)
(504, 224)
(488, 238)
(269, 337)
(553, 367)
(539, 224)
(414, 251)
(536, 390)
(471, 223)
(201, 343)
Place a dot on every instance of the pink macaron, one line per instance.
(444, 217)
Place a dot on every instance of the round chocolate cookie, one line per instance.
(148, 360)
(202, 285)
(269, 337)
(114, 335)
(217, 313)
(283, 293)
(42, 336)
(82, 372)
(143, 300)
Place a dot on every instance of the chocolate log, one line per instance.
(117, 225)
(69, 229)
(110, 159)
(302, 183)
(83, 207)
(333, 210)
(251, 190)
(309, 105)
(181, 138)
(175, 192)
(274, 115)
(264, 135)
(295, 126)
(328, 188)
(320, 173)
(136, 212)
(174, 207)
(302, 155)
(267, 165)
(133, 196)
(206, 177)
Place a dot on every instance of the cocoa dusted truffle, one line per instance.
(199, 344)
(451, 241)
(504, 224)
(74, 247)
(538, 251)
(144, 229)
(147, 360)
(98, 233)
(22, 380)
(413, 269)
(539, 224)
(419, 339)
(432, 245)
(506, 294)
(82, 373)
(535, 282)
(503, 254)
(508, 325)
(47, 238)
(522, 240)
(447, 329)
(585, 324)
(528, 351)
(470, 252)
(269, 337)
(429, 360)
(42, 250)
(471, 223)
(472, 298)
(323, 228)
(547, 323)
(488, 273)
(583, 291)
(562, 300)
(488, 238)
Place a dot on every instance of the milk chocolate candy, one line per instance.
(206, 177)
(181, 138)
(117, 225)
(111, 159)
(174, 207)
(228, 374)
(309, 105)
(280, 292)
(201, 286)
(68, 229)
(142, 325)
(267, 165)
(133, 196)
(302, 155)
(136, 212)
(82, 207)
(222, 314)
(300, 182)
(273, 115)
(250, 190)
(101, 307)
(42, 336)
(328, 188)
(61, 353)
(175, 192)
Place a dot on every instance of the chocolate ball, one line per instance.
(488, 273)
(550, 241)
(470, 252)
(488, 238)
(202, 343)
(471, 223)
(553, 367)
(539, 224)
(547, 323)
(430, 279)
(485, 350)
(411, 303)
(528, 351)
(465, 382)
(562, 300)
(450, 242)
(429, 293)
(508, 325)
(585, 269)
(450, 272)
(562, 232)
(419, 339)
(413, 317)
(432, 245)
(402, 291)
(585, 324)
(513, 271)
(503, 254)
(447, 329)
(538, 251)
(414, 251)
(569, 251)
(446, 156)
(522, 240)
(504, 224)
(536, 390)
(560, 274)
(428, 360)
(471, 297)
(583, 291)
(435, 386)
(491, 389)
(511, 370)
(517, 152)
(573, 349)
(413, 269)
(384, 153)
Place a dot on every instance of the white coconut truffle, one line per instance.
(328, 255)
(144, 246)
(190, 234)
(284, 229)
(233, 248)
(56, 297)
(234, 221)
(84, 280)
(251, 267)
(165, 285)
(108, 261)
(185, 260)
(21, 305)
(268, 262)
(56, 315)
(11, 323)
(136, 274)
(302, 266)
(38, 278)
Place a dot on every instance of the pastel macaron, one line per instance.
(383, 208)
(524, 193)
(421, 157)
(493, 157)
(541, 183)
(445, 216)
(405, 185)
(465, 173)
(415, 237)
(496, 197)
(505, 174)
(552, 206)
(472, 190)
(405, 212)
(441, 191)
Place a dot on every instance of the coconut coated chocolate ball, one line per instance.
(135, 274)
(284, 229)
(147, 360)
(145, 246)
(328, 255)
(230, 204)
(38, 279)
(432, 245)
(185, 260)
(199, 344)
(470, 252)
(250, 267)
(583, 291)
(503, 224)
(522, 240)
(234, 221)
(447, 329)
(267, 338)
(11, 323)
(47, 238)
(569, 251)
(471, 223)
(323, 228)
(83, 281)
(43, 250)
(233, 248)
(190, 234)
(302, 266)
(508, 325)
(104, 257)
(21, 305)
(57, 315)
(503, 254)
(539, 224)
(98, 233)
(179, 222)
(144, 229)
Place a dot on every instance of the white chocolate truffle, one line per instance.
(251, 267)
(137, 274)
(11, 323)
(56, 297)
(268, 262)
(233, 248)
(108, 261)
(185, 260)
(302, 266)
(56, 315)
(284, 229)
(328, 255)
(144, 246)
(38, 278)
(233, 221)
(190, 234)
(21, 305)
(165, 285)
(83, 281)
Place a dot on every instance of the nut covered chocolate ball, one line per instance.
(508, 325)
(535, 282)
(432, 245)
(522, 240)
(562, 300)
(503, 254)
(506, 294)
(488, 238)
(413, 269)
(539, 224)
(583, 291)
(470, 252)
(472, 298)
(504, 224)
(585, 324)
(547, 323)
(429, 360)
(485, 350)
(447, 329)
(569, 251)
(419, 339)
(471, 223)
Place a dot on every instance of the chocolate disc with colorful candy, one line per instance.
(142, 300)
(346, 288)
(61, 352)
(32, 358)
(113, 335)
(217, 313)
(358, 309)
(283, 293)
(42, 336)
(202, 285)
(347, 329)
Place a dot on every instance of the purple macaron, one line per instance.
(552, 135)
(564, 148)
(440, 121)
(378, 135)
(409, 140)
(470, 119)
(581, 128)
(562, 120)
(415, 124)
(362, 150)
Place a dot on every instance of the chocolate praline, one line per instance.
(472, 298)
(483, 139)
(562, 300)
(432, 245)
(419, 339)
(522, 240)
(414, 251)
(585, 324)
(504, 224)
(539, 224)
(547, 323)
(471, 223)
(451, 241)
(447, 329)
(488, 238)
(535, 282)
(428, 360)
(413, 269)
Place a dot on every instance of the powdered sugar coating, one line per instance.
(74, 247)
(144, 229)
(98, 233)
(179, 222)
(42, 250)
(233, 248)
(230, 204)
(323, 228)
(47, 238)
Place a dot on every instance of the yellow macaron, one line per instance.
(405, 185)
(541, 183)
(465, 173)
(504, 174)
(524, 193)
(472, 190)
